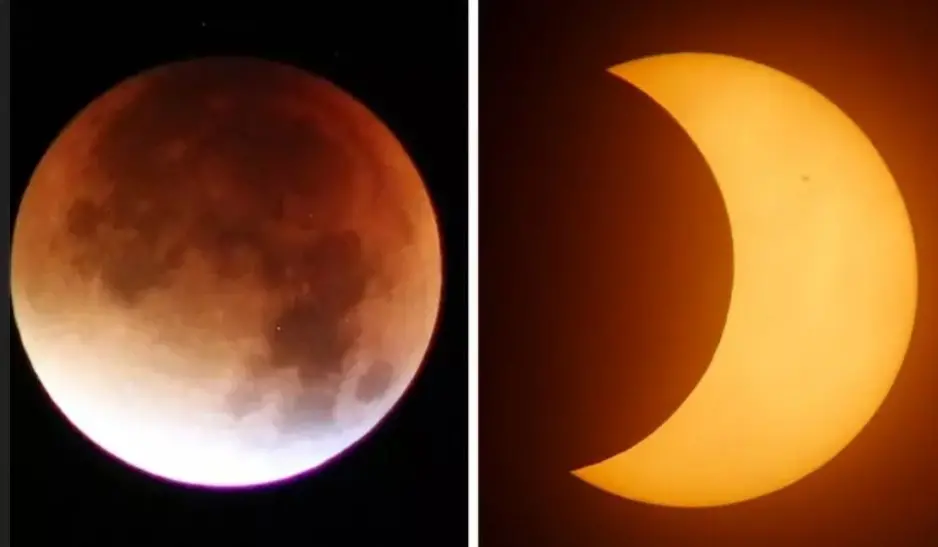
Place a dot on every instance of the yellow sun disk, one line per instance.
(823, 297)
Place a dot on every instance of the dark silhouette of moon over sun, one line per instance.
(225, 271)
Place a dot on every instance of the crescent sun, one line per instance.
(824, 293)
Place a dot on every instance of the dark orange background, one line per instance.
(605, 266)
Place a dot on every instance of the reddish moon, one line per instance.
(226, 271)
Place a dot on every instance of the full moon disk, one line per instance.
(225, 271)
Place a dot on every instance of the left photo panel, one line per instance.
(238, 275)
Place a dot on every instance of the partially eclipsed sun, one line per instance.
(823, 297)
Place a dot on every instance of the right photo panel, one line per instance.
(708, 307)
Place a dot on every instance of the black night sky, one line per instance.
(406, 483)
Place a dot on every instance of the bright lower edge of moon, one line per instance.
(203, 449)
(824, 287)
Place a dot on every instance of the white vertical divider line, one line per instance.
(474, 273)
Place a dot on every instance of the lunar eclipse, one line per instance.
(225, 271)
